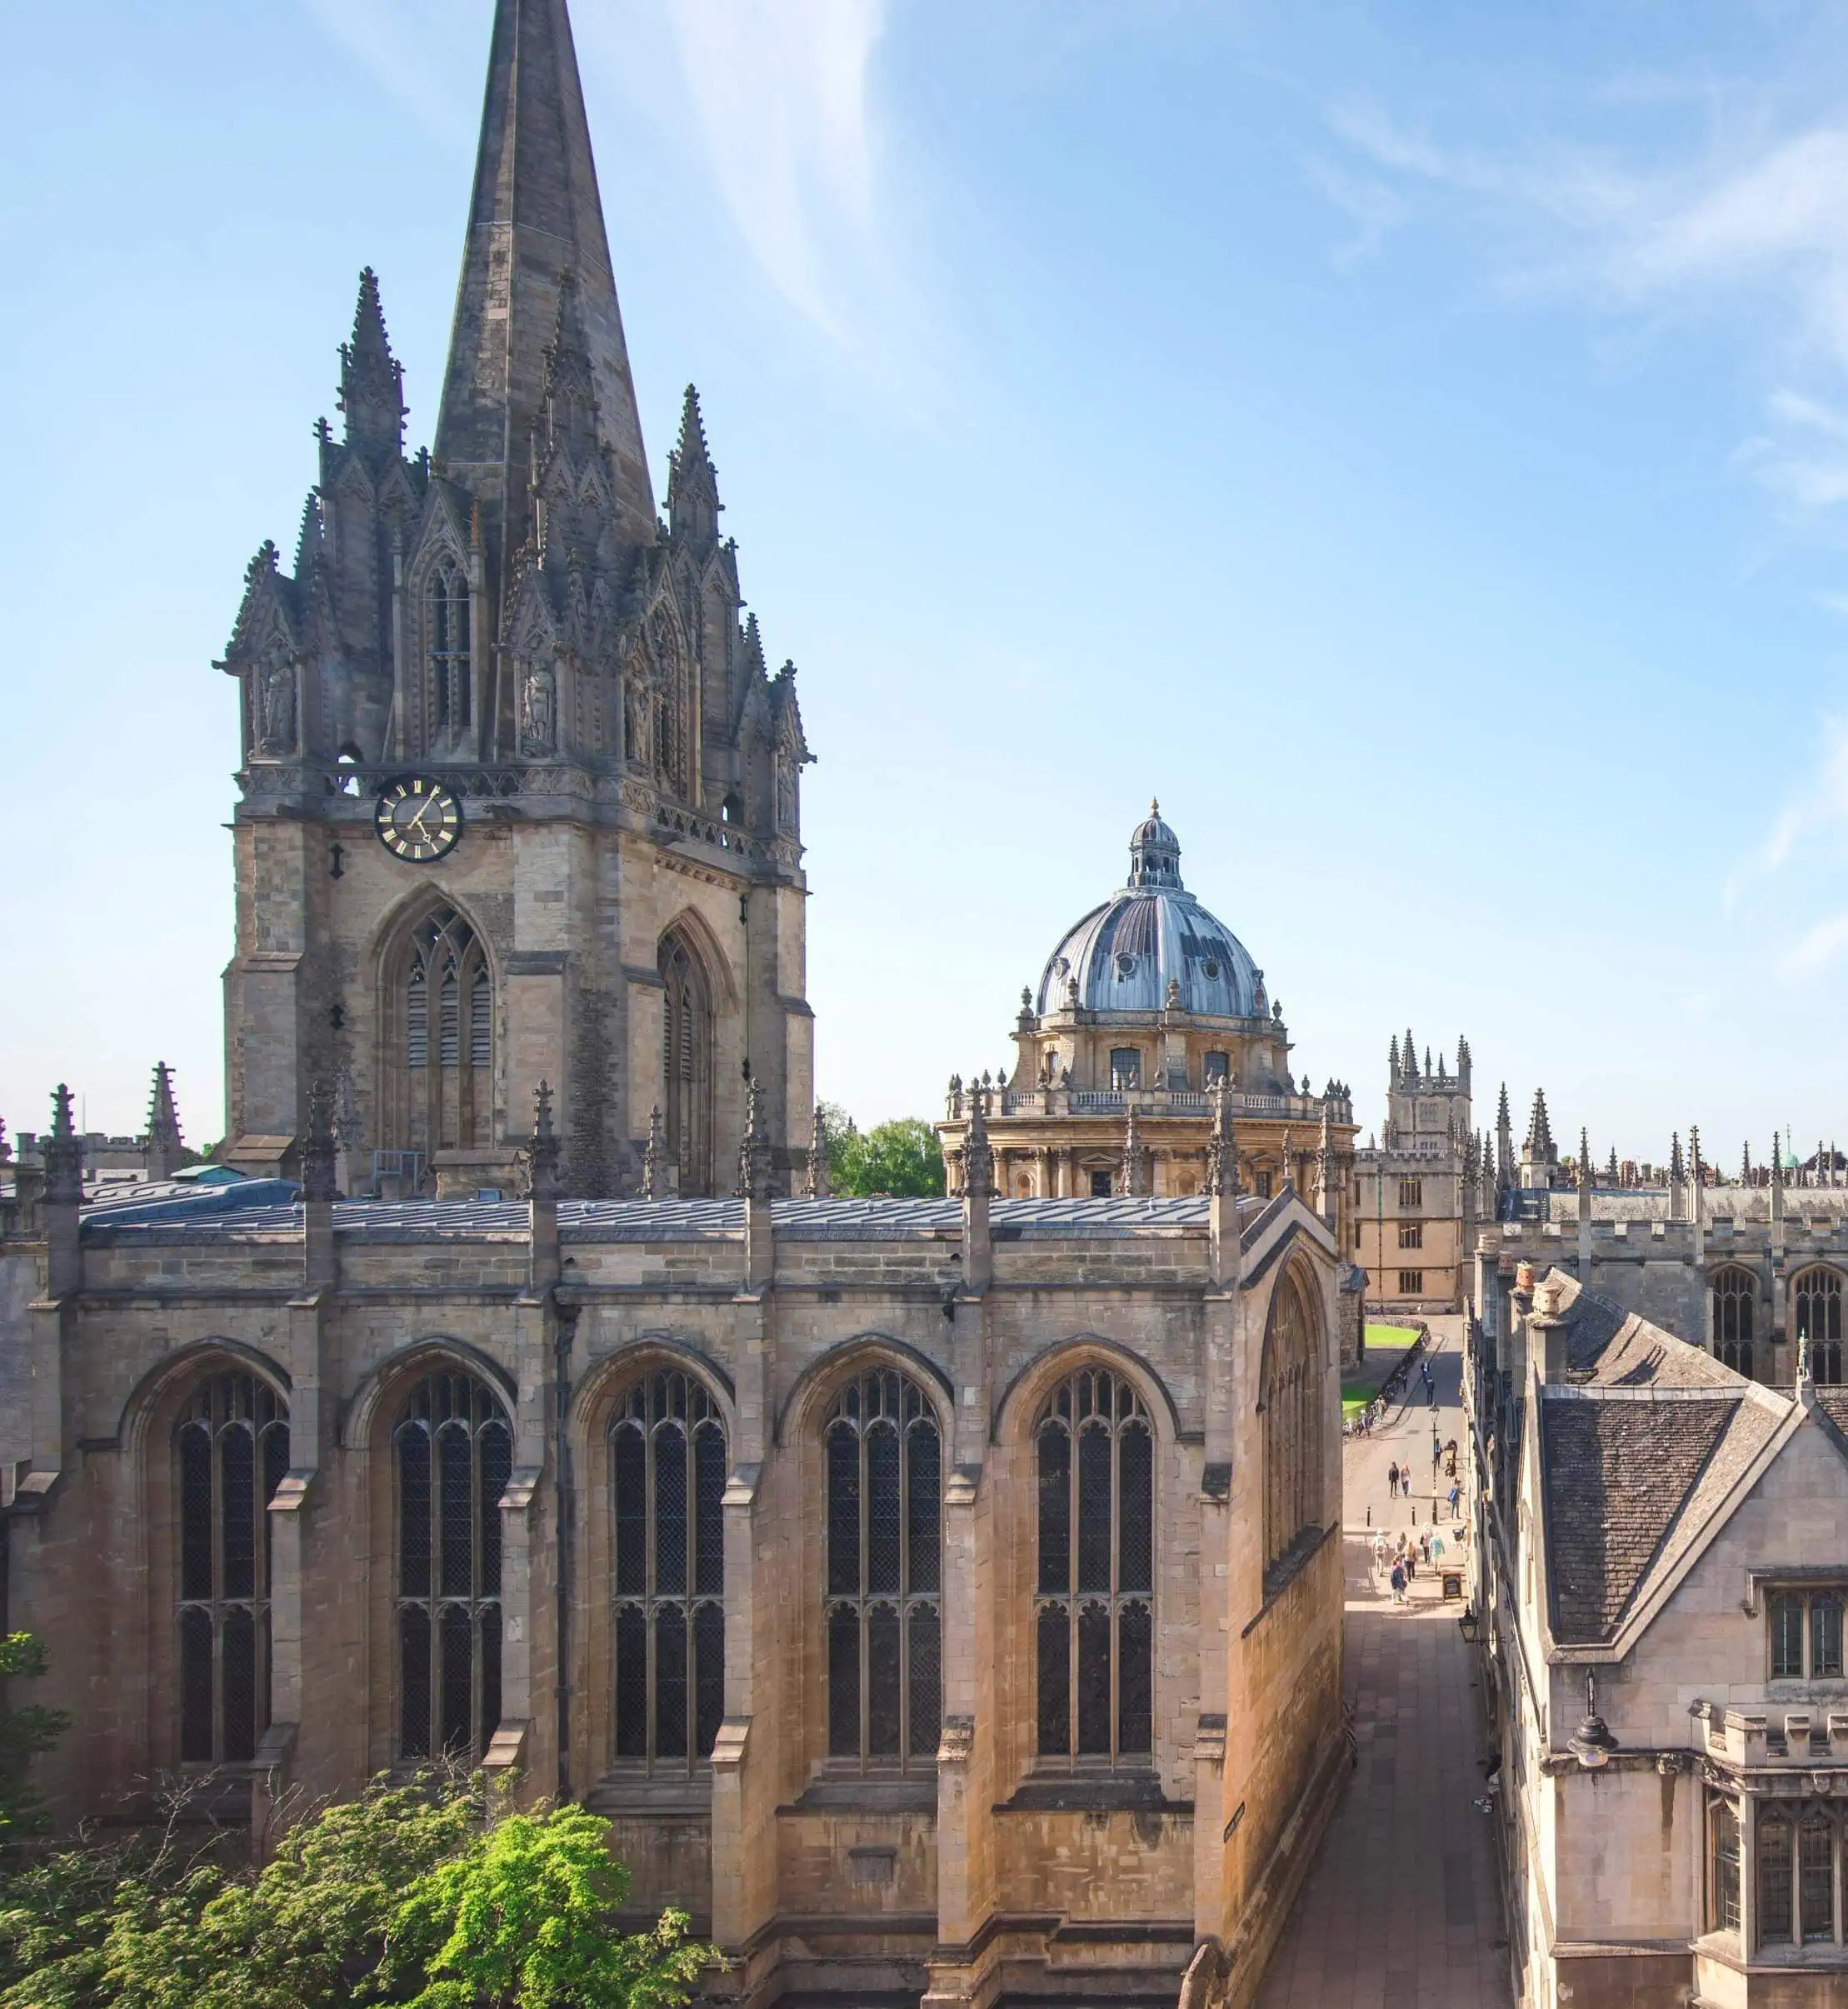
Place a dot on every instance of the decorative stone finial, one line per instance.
(1136, 1159)
(542, 1152)
(1222, 1148)
(754, 1154)
(64, 1154)
(817, 1187)
(978, 1154)
(319, 1169)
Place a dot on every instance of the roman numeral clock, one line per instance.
(418, 820)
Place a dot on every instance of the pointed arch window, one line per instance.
(439, 1071)
(1094, 1603)
(668, 1475)
(452, 686)
(686, 1062)
(1734, 1294)
(883, 1602)
(230, 1446)
(453, 1454)
(1818, 1321)
(1290, 1401)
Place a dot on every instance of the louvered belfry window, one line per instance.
(884, 1574)
(441, 1090)
(687, 1062)
(667, 1472)
(452, 1451)
(1094, 1605)
(232, 1449)
(451, 667)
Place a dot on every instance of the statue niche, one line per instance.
(273, 708)
(539, 709)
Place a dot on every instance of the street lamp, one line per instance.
(1593, 1743)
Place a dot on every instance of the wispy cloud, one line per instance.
(427, 53)
(1812, 821)
(1817, 948)
(1374, 207)
(781, 96)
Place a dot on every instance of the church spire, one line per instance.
(535, 217)
(371, 381)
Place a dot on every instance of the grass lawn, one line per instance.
(1390, 1339)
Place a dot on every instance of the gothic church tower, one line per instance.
(520, 802)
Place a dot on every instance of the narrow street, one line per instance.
(1400, 1910)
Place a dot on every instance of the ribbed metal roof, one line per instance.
(1122, 956)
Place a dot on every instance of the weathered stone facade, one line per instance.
(985, 1857)
(505, 621)
(1660, 1593)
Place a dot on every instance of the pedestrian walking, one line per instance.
(1393, 1478)
(1424, 1550)
(1398, 1583)
(1411, 1565)
(1457, 1494)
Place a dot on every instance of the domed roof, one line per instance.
(1122, 956)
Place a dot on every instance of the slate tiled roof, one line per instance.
(202, 1217)
(1607, 1346)
(1618, 1474)
(1640, 1451)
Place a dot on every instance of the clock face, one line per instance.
(418, 820)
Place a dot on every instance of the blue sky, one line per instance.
(1410, 440)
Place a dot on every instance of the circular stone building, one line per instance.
(1144, 1005)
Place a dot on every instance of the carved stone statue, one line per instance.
(275, 705)
(785, 791)
(538, 710)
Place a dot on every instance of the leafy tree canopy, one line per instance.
(898, 1160)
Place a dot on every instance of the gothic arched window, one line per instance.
(1094, 1604)
(453, 1454)
(1292, 1423)
(1818, 1321)
(686, 1062)
(1733, 1293)
(439, 1073)
(232, 1448)
(451, 698)
(885, 1573)
(668, 1474)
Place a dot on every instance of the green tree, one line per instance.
(24, 1734)
(898, 1160)
(521, 1920)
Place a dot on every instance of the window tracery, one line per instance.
(668, 1476)
(1734, 1295)
(1094, 1599)
(686, 1062)
(1292, 1425)
(1819, 1322)
(453, 1454)
(451, 674)
(883, 1608)
(230, 1446)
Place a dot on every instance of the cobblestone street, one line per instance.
(1400, 1910)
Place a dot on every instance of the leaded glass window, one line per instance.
(1724, 1819)
(1733, 1293)
(1094, 1597)
(230, 1447)
(1774, 1879)
(1819, 1322)
(452, 1451)
(451, 675)
(668, 1475)
(1290, 1400)
(1805, 1634)
(883, 1603)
